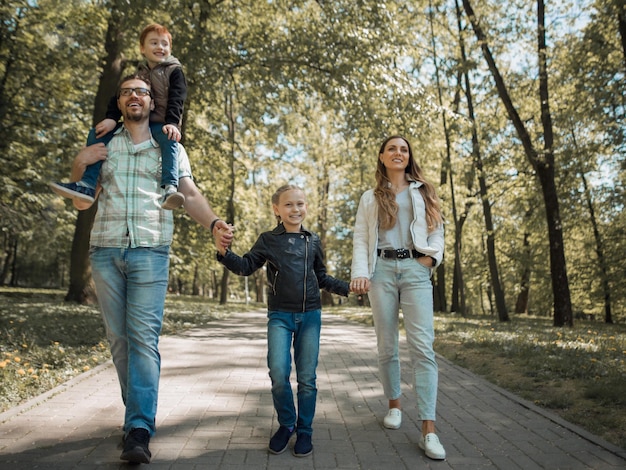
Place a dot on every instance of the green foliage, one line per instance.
(304, 91)
(577, 372)
(45, 342)
(608, 391)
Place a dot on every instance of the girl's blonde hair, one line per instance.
(386, 197)
(279, 191)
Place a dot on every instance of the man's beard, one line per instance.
(134, 117)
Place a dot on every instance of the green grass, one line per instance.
(578, 373)
(45, 341)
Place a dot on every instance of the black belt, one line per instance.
(399, 254)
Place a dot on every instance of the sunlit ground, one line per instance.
(578, 373)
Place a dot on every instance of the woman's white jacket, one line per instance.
(365, 242)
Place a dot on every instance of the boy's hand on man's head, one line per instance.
(173, 133)
(104, 127)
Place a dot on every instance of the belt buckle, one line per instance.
(401, 253)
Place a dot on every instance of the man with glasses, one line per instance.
(169, 91)
(129, 254)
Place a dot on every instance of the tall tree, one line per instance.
(496, 285)
(81, 288)
(541, 161)
(231, 119)
(40, 118)
(446, 174)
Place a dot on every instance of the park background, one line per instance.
(515, 111)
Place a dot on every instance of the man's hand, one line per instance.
(223, 235)
(86, 157)
(91, 154)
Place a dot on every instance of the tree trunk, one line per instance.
(484, 196)
(604, 275)
(439, 284)
(521, 305)
(491, 239)
(543, 164)
(14, 280)
(81, 288)
(621, 21)
(9, 252)
(230, 208)
(545, 169)
(322, 222)
(195, 284)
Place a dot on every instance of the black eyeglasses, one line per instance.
(138, 91)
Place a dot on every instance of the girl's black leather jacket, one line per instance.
(295, 269)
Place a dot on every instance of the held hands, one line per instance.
(360, 285)
(223, 235)
(172, 132)
(104, 127)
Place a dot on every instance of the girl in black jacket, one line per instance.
(295, 273)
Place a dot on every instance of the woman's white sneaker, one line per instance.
(393, 420)
(432, 447)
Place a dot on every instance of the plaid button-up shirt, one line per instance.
(129, 214)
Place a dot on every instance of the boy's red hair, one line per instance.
(157, 28)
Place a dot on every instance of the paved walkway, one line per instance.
(215, 412)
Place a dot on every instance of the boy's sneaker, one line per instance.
(303, 445)
(280, 440)
(432, 447)
(136, 446)
(172, 199)
(74, 191)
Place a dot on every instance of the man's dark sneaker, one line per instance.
(74, 191)
(172, 199)
(280, 440)
(136, 446)
(303, 445)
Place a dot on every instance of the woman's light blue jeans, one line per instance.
(303, 330)
(405, 284)
(131, 284)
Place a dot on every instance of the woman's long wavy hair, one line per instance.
(386, 197)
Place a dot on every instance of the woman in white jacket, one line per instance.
(398, 241)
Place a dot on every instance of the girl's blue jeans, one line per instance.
(405, 284)
(303, 331)
(131, 284)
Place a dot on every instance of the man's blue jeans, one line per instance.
(131, 284)
(303, 329)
